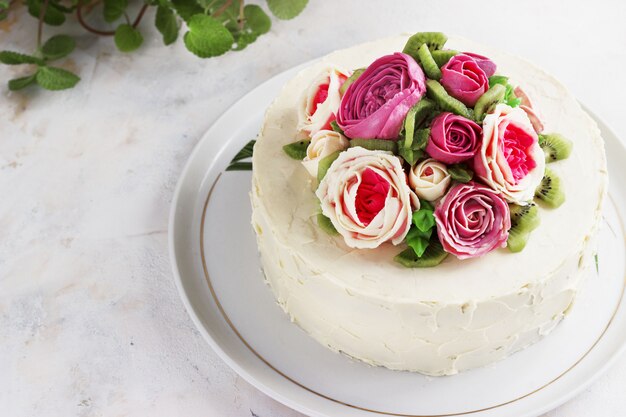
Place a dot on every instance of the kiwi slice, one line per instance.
(355, 74)
(428, 63)
(442, 56)
(434, 41)
(297, 150)
(555, 146)
(326, 225)
(524, 219)
(488, 100)
(375, 144)
(325, 163)
(432, 256)
(549, 191)
(435, 91)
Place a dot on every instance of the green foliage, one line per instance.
(214, 28)
(127, 38)
(286, 9)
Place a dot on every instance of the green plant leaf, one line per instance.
(114, 9)
(52, 15)
(166, 22)
(256, 19)
(22, 82)
(207, 37)
(286, 9)
(187, 8)
(53, 78)
(127, 38)
(58, 46)
(16, 58)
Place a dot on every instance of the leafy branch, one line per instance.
(214, 27)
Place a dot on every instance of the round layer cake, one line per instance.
(460, 314)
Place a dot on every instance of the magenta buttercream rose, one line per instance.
(472, 220)
(453, 138)
(464, 77)
(375, 105)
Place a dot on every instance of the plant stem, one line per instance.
(142, 11)
(241, 16)
(91, 29)
(42, 12)
(222, 9)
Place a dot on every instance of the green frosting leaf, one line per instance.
(375, 144)
(207, 37)
(127, 38)
(325, 163)
(424, 220)
(52, 78)
(335, 126)
(509, 94)
(166, 22)
(351, 79)
(58, 47)
(286, 9)
(432, 256)
(114, 9)
(417, 242)
(460, 173)
(297, 150)
(326, 225)
(22, 82)
(16, 58)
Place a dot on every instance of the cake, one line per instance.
(426, 209)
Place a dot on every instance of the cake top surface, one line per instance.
(286, 193)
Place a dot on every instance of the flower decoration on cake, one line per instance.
(428, 148)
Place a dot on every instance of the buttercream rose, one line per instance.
(483, 62)
(453, 138)
(527, 105)
(429, 179)
(464, 79)
(472, 220)
(319, 103)
(323, 143)
(510, 159)
(375, 105)
(366, 197)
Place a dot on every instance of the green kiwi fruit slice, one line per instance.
(326, 225)
(434, 41)
(524, 219)
(375, 144)
(325, 163)
(428, 63)
(549, 191)
(435, 91)
(355, 74)
(432, 256)
(555, 146)
(488, 100)
(442, 56)
(297, 150)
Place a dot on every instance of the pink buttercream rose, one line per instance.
(483, 62)
(453, 138)
(465, 79)
(375, 105)
(472, 220)
(510, 159)
(367, 199)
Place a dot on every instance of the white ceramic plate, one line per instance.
(214, 257)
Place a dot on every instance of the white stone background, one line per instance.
(90, 320)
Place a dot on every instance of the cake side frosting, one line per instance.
(460, 315)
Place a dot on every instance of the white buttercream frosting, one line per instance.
(459, 315)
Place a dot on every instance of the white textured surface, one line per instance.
(90, 322)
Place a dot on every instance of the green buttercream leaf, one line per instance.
(325, 164)
(326, 225)
(375, 144)
(335, 126)
(460, 173)
(424, 220)
(355, 75)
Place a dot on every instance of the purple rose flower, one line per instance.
(453, 138)
(464, 79)
(472, 220)
(375, 105)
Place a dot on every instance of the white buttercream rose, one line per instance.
(319, 103)
(429, 179)
(323, 143)
(510, 160)
(366, 197)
